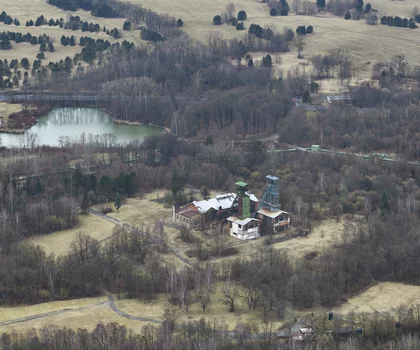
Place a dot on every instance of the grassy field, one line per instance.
(94, 311)
(322, 236)
(382, 297)
(59, 242)
(8, 108)
(368, 44)
(217, 311)
(24, 10)
(144, 212)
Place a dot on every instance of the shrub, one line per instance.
(179, 23)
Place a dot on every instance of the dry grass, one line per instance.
(217, 311)
(382, 297)
(12, 313)
(59, 242)
(27, 9)
(368, 44)
(87, 318)
(321, 238)
(144, 212)
(8, 108)
(394, 8)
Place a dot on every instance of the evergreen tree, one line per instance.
(72, 41)
(51, 22)
(368, 8)
(179, 23)
(41, 56)
(84, 206)
(347, 16)
(16, 22)
(320, 4)
(217, 20)
(8, 20)
(242, 15)
(51, 47)
(3, 15)
(384, 204)
(267, 61)
(40, 21)
(250, 63)
(25, 63)
(240, 26)
(127, 25)
(117, 202)
(43, 47)
(309, 29)
(273, 12)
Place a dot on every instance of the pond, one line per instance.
(69, 123)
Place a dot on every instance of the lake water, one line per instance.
(71, 123)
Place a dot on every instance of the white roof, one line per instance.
(271, 214)
(252, 196)
(240, 221)
(220, 201)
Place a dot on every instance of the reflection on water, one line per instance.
(70, 123)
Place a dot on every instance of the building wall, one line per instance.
(239, 233)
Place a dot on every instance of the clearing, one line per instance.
(59, 242)
(382, 297)
(322, 237)
(217, 311)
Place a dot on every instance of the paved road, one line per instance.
(52, 313)
(115, 308)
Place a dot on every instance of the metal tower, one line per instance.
(270, 198)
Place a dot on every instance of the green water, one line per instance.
(69, 123)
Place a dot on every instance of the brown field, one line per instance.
(322, 236)
(93, 311)
(8, 108)
(395, 8)
(144, 212)
(217, 312)
(59, 242)
(382, 297)
(368, 44)
(24, 10)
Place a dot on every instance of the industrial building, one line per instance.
(246, 216)
(199, 214)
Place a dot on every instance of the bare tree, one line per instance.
(300, 44)
(231, 294)
(204, 299)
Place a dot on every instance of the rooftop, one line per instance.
(241, 184)
(271, 177)
(240, 221)
(188, 211)
(271, 214)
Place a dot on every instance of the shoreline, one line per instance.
(126, 122)
(27, 118)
